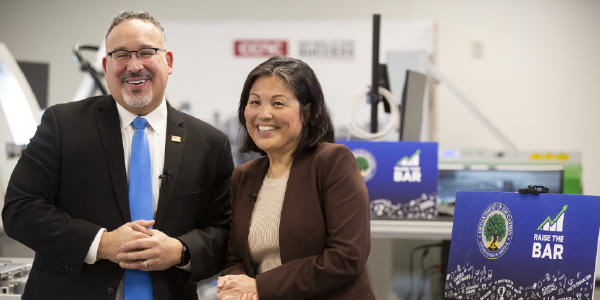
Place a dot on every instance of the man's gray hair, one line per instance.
(137, 15)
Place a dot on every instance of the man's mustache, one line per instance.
(140, 73)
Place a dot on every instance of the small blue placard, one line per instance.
(401, 177)
(510, 246)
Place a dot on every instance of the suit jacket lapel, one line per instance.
(108, 122)
(173, 160)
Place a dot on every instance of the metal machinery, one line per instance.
(93, 81)
(13, 275)
(500, 171)
(19, 117)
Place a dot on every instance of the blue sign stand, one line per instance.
(510, 246)
(401, 177)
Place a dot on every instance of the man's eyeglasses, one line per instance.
(142, 54)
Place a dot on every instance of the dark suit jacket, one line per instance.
(71, 181)
(324, 232)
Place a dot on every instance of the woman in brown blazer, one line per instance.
(300, 222)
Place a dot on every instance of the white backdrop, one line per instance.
(209, 76)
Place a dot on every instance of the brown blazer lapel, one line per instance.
(300, 210)
(108, 122)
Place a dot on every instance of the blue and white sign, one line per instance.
(510, 246)
(401, 177)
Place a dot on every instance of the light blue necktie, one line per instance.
(138, 284)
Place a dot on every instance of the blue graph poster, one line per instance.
(510, 246)
(401, 177)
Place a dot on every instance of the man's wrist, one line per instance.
(184, 258)
(92, 256)
(103, 245)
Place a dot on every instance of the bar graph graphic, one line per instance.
(413, 160)
(556, 224)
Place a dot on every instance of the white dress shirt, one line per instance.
(156, 132)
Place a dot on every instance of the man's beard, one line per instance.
(137, 100)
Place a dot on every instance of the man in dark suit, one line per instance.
(69, 195)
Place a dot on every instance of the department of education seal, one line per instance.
(495, 231)
(366, 163)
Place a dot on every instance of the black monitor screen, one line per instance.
(412, 106)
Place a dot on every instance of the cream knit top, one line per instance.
(263, 238)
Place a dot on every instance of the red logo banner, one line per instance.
(260, 48)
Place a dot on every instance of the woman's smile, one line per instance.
(266, 128)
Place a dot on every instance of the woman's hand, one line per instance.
(234, 287)
(243, 297)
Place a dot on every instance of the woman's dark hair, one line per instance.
(302, 81)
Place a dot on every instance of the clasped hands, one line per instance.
(236, 287)
(135, 246)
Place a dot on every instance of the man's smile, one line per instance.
(137, 81)
(137, 78)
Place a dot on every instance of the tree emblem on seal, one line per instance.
(495, 231)
(363, 165)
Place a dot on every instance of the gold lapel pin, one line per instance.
(176, 139)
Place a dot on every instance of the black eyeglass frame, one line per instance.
(136, 52)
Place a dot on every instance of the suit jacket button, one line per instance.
(110, 290)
